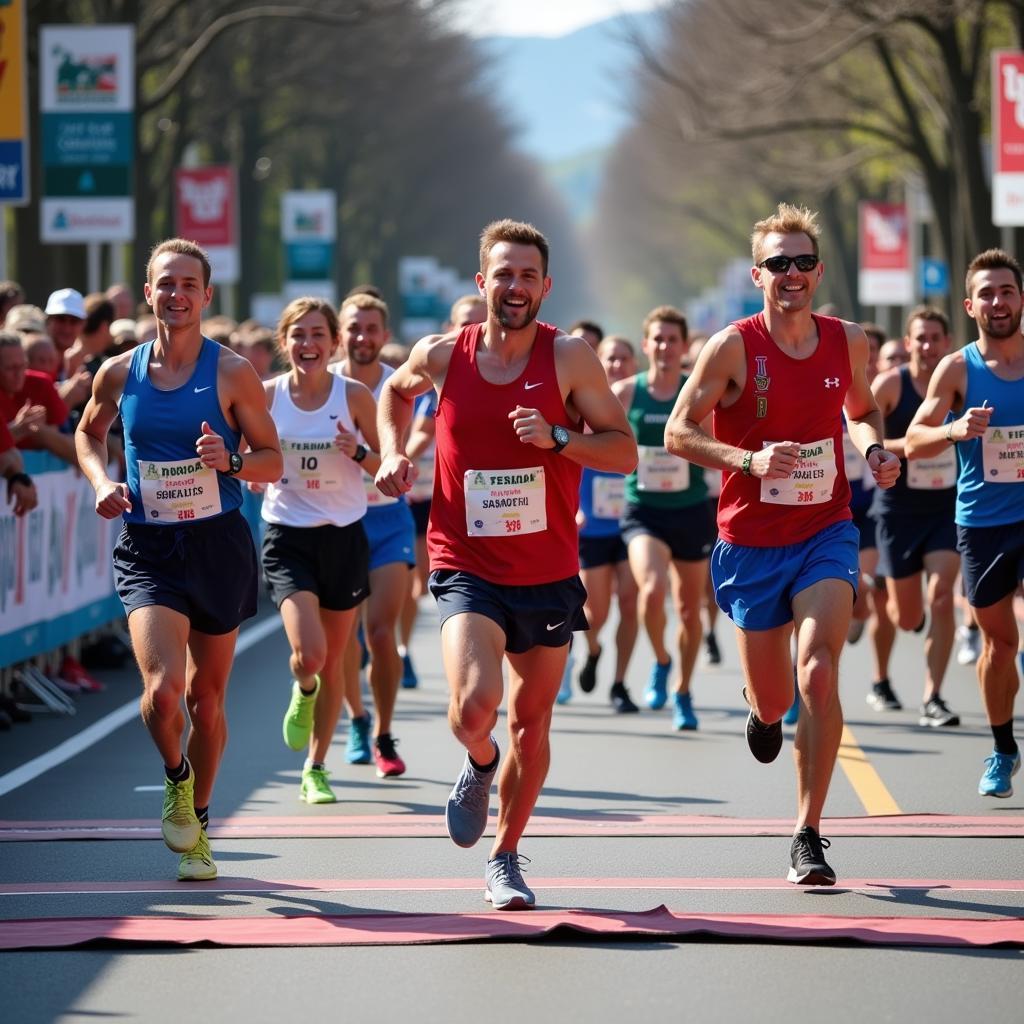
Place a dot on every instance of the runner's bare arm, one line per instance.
(863, 418)
(247, 402)
(886, 389)
(91, 436)
(928, 433)
(718, 376)
(364, 415)
(610, 445)
(425, 368)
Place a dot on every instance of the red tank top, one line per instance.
(786, 399)
(520, 529)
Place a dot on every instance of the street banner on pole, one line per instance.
(14, 170)
(87, 99)
(206, 212)
(885, 277)
(1007, 138)
(309, 229)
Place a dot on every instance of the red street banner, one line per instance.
(1007, 138)
(207, 199)
(885, 277)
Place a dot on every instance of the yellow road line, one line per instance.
(866, 782)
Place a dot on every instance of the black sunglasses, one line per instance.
(780, 264)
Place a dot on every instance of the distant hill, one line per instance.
(569, 95)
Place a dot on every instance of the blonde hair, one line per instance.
(787, 220)
(298, 308)
(363, 300)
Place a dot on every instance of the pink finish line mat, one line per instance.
(257, 886)
(602, 926)
(429, 826)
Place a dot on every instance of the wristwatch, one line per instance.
(560, 436)
(234, 463)
(360, 453)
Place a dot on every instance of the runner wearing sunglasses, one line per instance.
(777, 385)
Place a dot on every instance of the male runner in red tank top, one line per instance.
(514, 395)
(777, 384)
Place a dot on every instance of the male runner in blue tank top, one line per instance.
(184, 563)
(982, 385)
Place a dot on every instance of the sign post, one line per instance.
(87, 98)
(1007, 138)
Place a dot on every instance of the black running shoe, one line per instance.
(936, 714)
(621, 700)
(807, 859)
(764, 740)
(588, 674)
(882, 697)
(712, 654)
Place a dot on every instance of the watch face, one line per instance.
(236, 462)
(561, 435)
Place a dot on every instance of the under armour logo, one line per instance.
(831, 382)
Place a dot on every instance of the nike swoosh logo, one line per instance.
(198, 390)
(555, 626)
(530, 387)
(333, 415)
(853, 572)
(356, 593)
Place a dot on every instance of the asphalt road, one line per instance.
(633, 817)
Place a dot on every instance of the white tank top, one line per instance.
(320, 485)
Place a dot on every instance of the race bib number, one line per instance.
(811, 482)
(505, 502)
(853, 461)
(659, 470)
(178, 492)
(311, 465)
(608, 497)
(1002, 455)
(934, 474)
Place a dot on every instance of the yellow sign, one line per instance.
(13, 86)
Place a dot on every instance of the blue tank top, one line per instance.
(167, 484)
(601, 492)
(901, 498)
(981, 502)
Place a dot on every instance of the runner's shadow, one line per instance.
(926, 899)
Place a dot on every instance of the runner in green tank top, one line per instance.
(667, 526)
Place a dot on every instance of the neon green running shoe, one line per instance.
(197, 865)
(179, 823)
(315, 788)
(298, 719)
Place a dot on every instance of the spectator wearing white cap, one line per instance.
(65, 314)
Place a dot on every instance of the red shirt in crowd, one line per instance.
(38, 389)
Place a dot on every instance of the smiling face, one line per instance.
(514, 284)
(927, 342)
(308, 343)
(995, 303)
(664, 345)
(363, 334)
(175, 291)
(793, 290)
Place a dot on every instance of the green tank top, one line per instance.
(660, 480)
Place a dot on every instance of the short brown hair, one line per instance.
(872, 330)
(183, 247)
(517, 233)
(364, 300)
(670, 315)
(992, 259)
(927, 313)
(787, 220)
(298, 308)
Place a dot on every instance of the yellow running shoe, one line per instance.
(315, 789)
(179, 823)
(197, 865)
(298, 719)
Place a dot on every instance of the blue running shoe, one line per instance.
(357, 749)
(999, 769)
(409, 678)
(564, 694)
(657, 685)
(683, 719)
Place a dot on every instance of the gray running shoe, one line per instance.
(506, 889)
(936, 714)
(465, 814)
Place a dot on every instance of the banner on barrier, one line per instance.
(56, 576)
